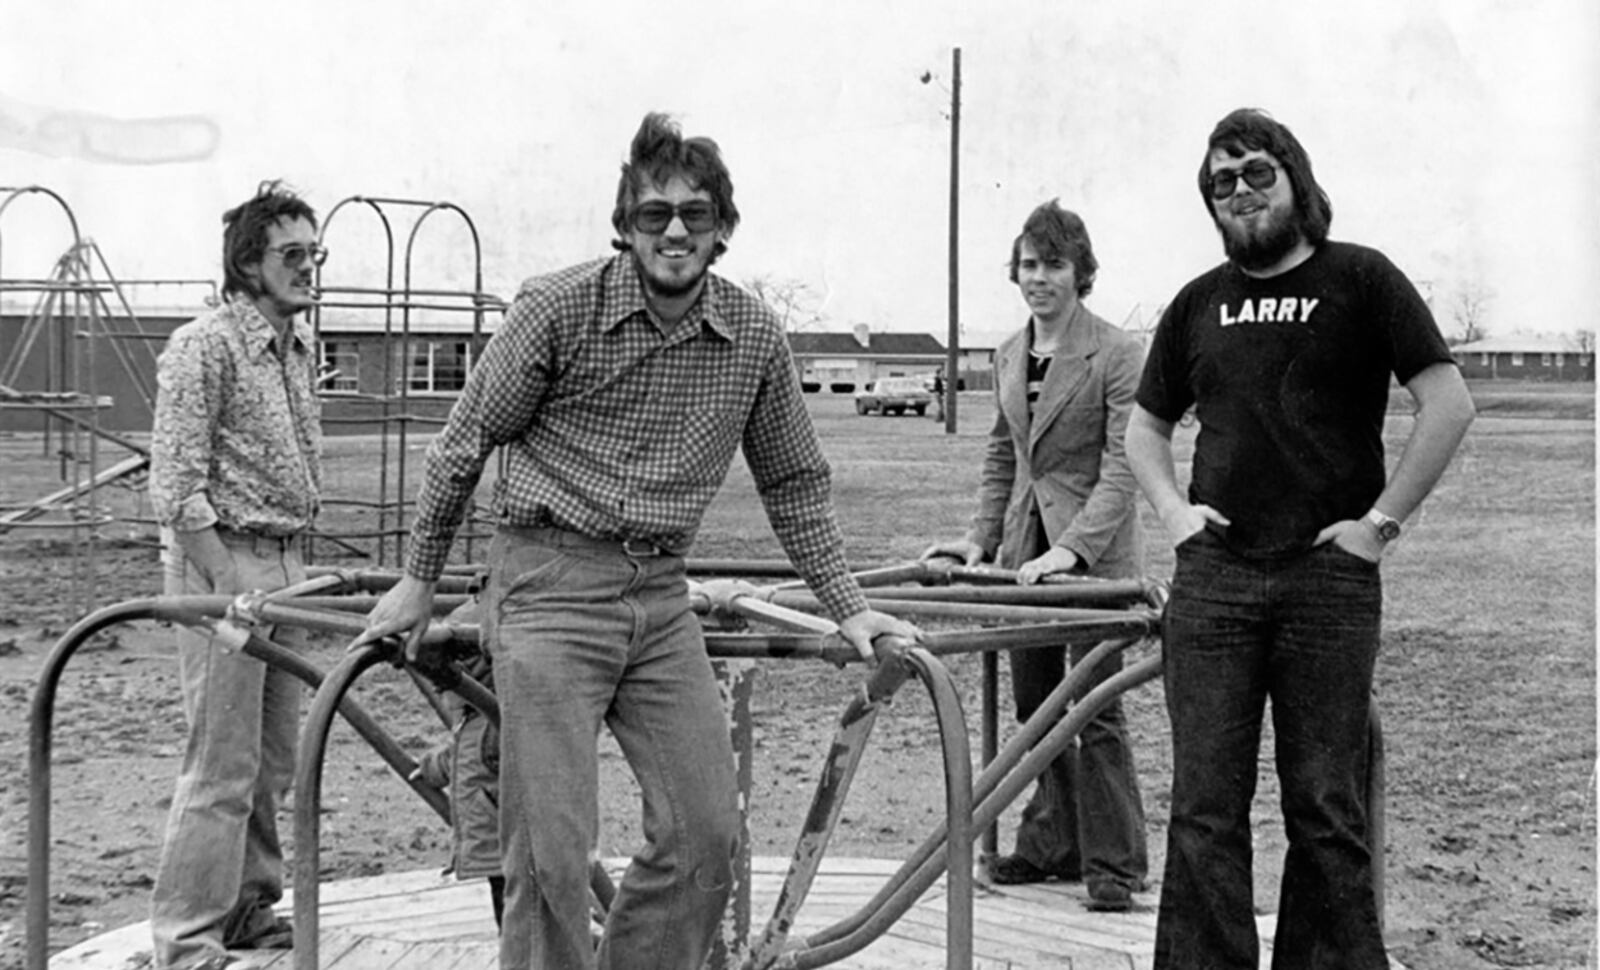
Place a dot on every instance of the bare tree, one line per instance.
(793, 300)
(1469, 305)
(1583, 340)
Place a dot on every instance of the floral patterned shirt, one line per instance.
(237, 430)
(619, 428)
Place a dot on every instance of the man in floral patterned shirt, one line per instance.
(234, 480)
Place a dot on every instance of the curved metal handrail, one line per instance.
(930, 860)
(308, 798)
(820, 950)
(41, 716)
(971, 805)
(215, 614)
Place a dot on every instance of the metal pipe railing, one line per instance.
(215, 614)
(335, 602)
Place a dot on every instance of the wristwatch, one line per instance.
(1388, 529)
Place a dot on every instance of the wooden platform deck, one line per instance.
(425, 921)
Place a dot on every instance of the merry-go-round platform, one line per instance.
(931, 909)
(425, 920)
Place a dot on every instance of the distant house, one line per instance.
(975, 364)
(1526, 358)
(371, 365)
(842, 362)
(368, 364)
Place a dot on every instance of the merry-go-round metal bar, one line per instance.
(334, 602)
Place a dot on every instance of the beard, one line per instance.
(1260, 248)
(285, 299)
(658, 284)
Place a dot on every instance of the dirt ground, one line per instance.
(1493, 869)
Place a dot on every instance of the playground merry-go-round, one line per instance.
(812, 909)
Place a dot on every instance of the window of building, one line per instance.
(1544, 360)
(341, 366)
(1516, 358)
(1561, 360)
(1483, 359)
(438, 366)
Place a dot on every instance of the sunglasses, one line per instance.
(655, 217)
(296, 253)
(1258, 175)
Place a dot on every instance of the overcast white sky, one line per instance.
(1459, 136)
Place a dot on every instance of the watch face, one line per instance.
(1388, 529)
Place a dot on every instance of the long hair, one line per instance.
(1057, 233)
(244, 233)
(1252, 129)
(659, 153)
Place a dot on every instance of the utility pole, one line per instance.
(953, 346)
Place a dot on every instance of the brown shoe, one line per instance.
(1014, 870)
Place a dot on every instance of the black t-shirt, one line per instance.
(1289, 378)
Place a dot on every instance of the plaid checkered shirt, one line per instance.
(617, 428)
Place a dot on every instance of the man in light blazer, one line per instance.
(1057, 496)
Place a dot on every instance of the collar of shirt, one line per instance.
(259, 333)
(624, 295)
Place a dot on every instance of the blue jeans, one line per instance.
(221, 866)
(581, 634)
(1304, 633)
(1086, 815)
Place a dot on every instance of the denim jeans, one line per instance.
(581, 634)
(1086, 815)
(221, 865)
(1303, 633)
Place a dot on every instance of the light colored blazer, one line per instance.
(1068, 458)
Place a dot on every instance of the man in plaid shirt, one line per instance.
(620, 390)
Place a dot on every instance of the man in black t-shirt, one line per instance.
(1285, 352)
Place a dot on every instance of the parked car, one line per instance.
(894, 395)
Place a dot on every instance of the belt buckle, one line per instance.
(640, 548)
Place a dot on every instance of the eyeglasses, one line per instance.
(294, 254)
(1258, 175)
(654, 217)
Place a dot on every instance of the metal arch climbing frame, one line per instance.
(406, 299)
(56, 363)
(80, 318)
(335, 601)
(13, 192)
(66, 410)
(76, 276)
